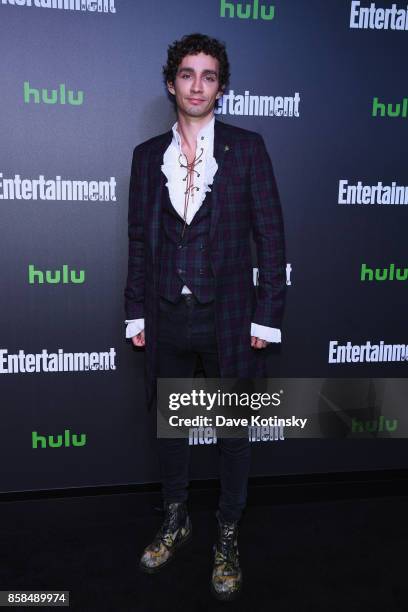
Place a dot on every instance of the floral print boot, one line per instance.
(226, 578)
(175, 532)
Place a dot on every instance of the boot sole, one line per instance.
(153, 570)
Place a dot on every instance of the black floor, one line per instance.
(302, 549)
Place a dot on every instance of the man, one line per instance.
(196, 194)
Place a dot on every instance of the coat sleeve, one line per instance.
(268, 233)
(135, 283)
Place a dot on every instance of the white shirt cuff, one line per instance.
(270, 334)
(134, 327)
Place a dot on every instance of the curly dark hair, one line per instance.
(192, 44)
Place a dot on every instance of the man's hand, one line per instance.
(139, 340)
(258, 343)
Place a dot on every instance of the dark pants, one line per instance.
(186, 330)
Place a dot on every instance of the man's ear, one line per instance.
(170, 87)
(219, 94)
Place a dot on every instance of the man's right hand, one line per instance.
(139, 340)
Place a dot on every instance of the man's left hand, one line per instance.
(258, 343)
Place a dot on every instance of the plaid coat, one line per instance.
(244, 198)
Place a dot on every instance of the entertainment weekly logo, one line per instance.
(366, 353)
(258, 106)
(373, 18)
(57, 189)
(256, 433)
(59, 361)
(89, 6)
(358, 193)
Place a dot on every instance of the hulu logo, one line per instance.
(66, 439)
(390, 110)
(53, 96)
(247, 10)
(382, 274)
(375, 426)
(55, 277)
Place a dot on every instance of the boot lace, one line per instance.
(226, 551)
(170, 526)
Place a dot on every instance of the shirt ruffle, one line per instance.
(175, 175)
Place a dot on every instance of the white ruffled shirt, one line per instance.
(176, 186)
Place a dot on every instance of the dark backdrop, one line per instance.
(115, 58)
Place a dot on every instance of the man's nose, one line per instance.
(196, 84)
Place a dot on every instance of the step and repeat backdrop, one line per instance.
(81, 85)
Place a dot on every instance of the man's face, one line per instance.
(196, 85)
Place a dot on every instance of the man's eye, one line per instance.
(185, 76)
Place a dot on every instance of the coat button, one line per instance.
(180, 271)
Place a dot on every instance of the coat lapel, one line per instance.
(156, 186)
(223, 158)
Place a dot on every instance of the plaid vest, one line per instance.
(186, 261)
